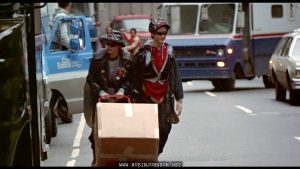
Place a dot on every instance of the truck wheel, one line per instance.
(62, 111)
(48, 128)
(267, 82)
(217, 84)
(224, 84)
(280, 92)
(229, 84)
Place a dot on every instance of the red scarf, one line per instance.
(157, 90)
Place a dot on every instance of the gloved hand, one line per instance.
(173, 118)
(103, 95)
(120, 94)
(178, 106)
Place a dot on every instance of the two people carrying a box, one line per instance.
(150, 77)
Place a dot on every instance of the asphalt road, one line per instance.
(243, 127)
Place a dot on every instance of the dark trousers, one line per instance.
(164, 125)
(91, 138)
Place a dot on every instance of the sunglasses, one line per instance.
(111, 44)
(161, 33)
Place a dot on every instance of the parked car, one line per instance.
(284, 68)
(137, 21)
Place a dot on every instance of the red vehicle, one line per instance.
(138, 21)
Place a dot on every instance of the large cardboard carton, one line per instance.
(126, 132)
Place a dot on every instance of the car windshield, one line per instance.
(296, 50)
(141, 25)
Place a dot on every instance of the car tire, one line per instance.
(267, 82)
(294, 97)
(280, 92)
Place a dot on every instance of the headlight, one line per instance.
(230, 51)
(270, 61)
(220, 52)
(220, 64)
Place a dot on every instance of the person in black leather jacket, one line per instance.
(156, 79)
(108, 75)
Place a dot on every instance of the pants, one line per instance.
(91, 138)
(164, 125)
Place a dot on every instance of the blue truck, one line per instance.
(222, 42)
(65, 71)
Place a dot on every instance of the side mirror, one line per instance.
(92, 27)
(74, 41)
(74, 44)
(241, 19)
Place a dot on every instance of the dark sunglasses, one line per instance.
(111, 44)
(161, 33)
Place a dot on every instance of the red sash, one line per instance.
(157, 90)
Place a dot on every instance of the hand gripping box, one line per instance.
(126, 132)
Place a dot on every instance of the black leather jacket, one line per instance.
(143, 69)
(99, 71)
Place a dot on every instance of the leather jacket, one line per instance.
(98, 76)
(144, 70)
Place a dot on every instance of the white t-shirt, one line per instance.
(64, 31)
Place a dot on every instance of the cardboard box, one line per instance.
(126, 132)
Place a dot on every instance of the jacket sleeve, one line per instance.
(91, 80)
(65, 40)
(63, 30)
(177, 89)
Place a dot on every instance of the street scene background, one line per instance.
(244, 127)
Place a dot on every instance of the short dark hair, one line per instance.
(133, 29)
(63, 5)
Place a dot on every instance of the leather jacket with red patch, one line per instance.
(98, 76)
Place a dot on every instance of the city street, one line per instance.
(243, 127)
(54, 55)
